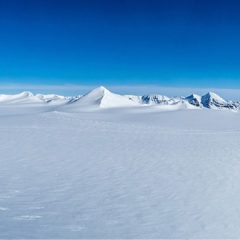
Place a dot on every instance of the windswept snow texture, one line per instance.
(119, 173)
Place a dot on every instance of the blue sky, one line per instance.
(168, 43)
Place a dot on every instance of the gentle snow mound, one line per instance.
(28, 97)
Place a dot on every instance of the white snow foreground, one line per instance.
(102, 98)
(118, 172)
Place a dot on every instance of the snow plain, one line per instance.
(118, 173)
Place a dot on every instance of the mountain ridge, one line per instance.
(101, 97)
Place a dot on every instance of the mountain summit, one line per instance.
(103, 98)
(212, 100)
(194, 99)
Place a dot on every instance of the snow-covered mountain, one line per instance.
(28, 98)
(210, 100)
(195, 100)
(214, 101)
(103, 98)
(155, 99)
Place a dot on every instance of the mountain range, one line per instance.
(103, 98)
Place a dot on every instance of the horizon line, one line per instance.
(134, 89)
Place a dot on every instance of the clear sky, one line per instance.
(173, 43)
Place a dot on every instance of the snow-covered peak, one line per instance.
(103, 98)
(98, 92)
(194, 99)
(28, 98)
(53, 98)
(4, 98)
(211, 99)
(193, 95)
(102, 88)
(155, 99)
(216, 97)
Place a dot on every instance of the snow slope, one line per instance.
(119, 173)
(103, 98)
